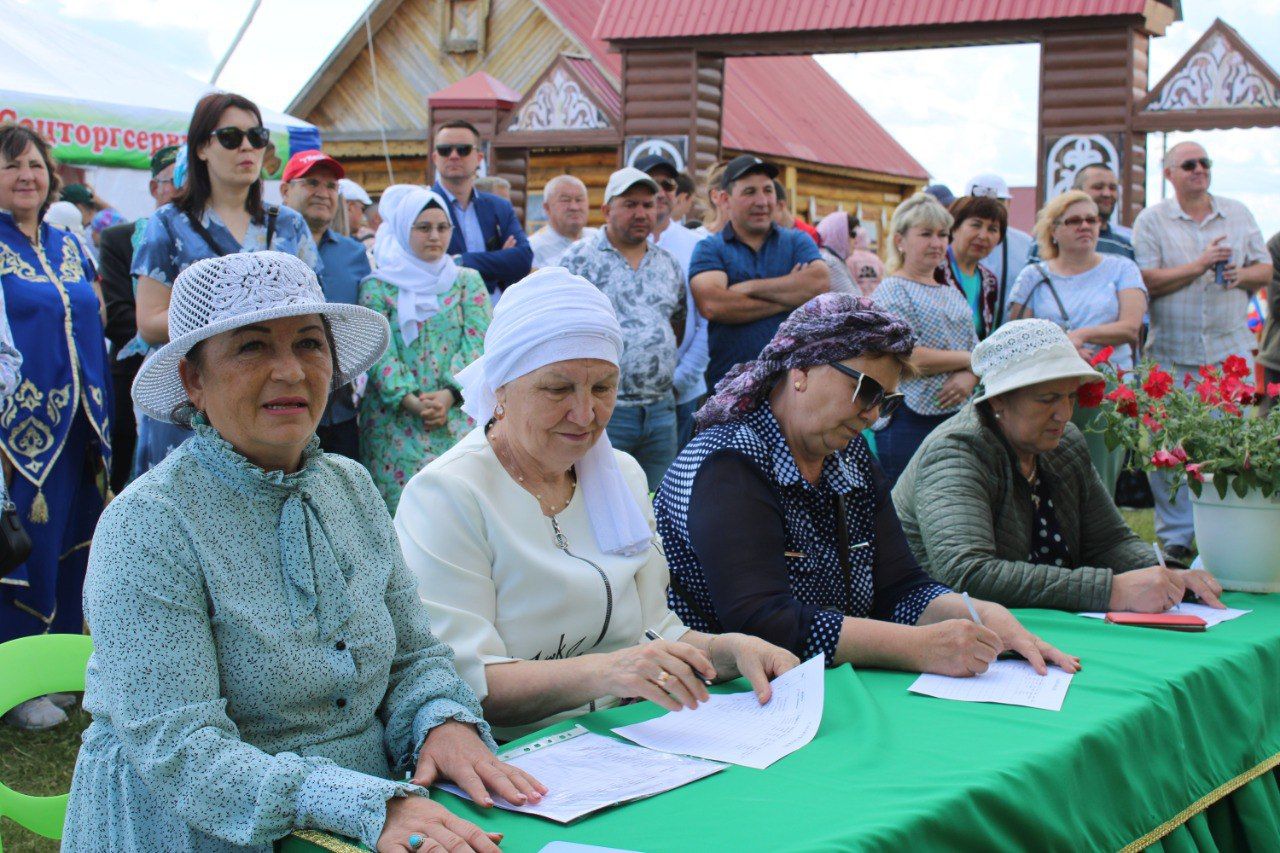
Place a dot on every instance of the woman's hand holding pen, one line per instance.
(669, 674)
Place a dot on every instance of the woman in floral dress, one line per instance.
(412, 410)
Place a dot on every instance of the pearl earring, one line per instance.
(796, 385)
(997, 414)
(498, 411)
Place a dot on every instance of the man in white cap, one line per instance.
(357, 202)
(646, 285)
(1009, 256)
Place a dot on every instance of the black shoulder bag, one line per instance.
(15, 543)
(273, 211)
(1053, 291)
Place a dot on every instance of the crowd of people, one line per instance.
(347, 493)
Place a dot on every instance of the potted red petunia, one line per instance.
(1207, 433)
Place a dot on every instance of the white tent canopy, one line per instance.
(103, 106)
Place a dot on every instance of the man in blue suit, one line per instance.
(487, 237)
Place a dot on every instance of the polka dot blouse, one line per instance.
(753, 546)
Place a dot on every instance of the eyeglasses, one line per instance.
(869, 393)
(448, 150)
(316, 183)
(1077, 221)
(666, 183)
(1190, 165)
(428, 228)
(231, 137)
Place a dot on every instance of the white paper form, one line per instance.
(736, 728)
(1006, 682)
(1211, 615)
(585, 772)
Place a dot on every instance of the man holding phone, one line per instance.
(1202, 257)
(487, 237)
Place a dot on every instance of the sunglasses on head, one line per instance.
(232, 137)
(448, 150)
(1190, 165)
(869, 393)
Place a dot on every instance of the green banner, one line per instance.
(89, 134)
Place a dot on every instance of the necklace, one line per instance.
(510, 465)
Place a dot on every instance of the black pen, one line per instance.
(651, 635)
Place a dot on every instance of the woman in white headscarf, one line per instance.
(533, 539)
(411, 411)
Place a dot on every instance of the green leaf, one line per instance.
(1220, 483)
(1268, 488)
(1240, 485)
(1111, 441)
(1196, 487)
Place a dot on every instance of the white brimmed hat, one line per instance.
(988, 185)
(626, 178)
(1027, 352)
(219, 294)
(351, 191)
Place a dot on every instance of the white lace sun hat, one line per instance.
(1027, 352)
(219, 294)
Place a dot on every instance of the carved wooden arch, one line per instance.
(566, 106)
(1221, 82)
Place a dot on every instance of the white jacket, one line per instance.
(499, 589)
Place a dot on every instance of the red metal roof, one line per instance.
(477, 90)
(784, 106)
(789, 106)
(628, 19)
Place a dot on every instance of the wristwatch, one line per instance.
(457, 394)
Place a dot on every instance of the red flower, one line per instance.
(1208, 372)
(1103, 355)
(1164, 459)
(1126, 401)
(1235, 366)
(1089, 395)
(1152, 424)
(1193, 471)
(1179, 454)
(1273, 389)
(1158, 383)
(1208, 392)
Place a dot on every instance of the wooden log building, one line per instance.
(547, 94)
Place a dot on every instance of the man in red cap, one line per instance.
(310, 186)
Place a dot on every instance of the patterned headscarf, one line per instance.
(834, 229)
(830, 327)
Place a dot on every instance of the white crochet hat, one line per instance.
(219, 294)
(1027, 352)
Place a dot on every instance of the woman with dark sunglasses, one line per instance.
(777, 522)
(218, 211)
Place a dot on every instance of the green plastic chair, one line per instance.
(31, 667)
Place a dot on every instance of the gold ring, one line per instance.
(662, 679)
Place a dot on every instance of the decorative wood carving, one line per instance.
(1071, 153)
(466, 24)
(559, 103)
(1219, 72)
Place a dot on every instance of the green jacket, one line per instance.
(966, 510)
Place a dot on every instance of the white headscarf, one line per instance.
(420, 283)
(549, 316)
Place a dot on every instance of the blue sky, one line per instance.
(959, 111)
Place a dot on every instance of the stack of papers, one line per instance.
(736, 728)
(1006, 682)
(585, 772)
(1211, 615)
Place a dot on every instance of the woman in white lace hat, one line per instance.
(261, 660)
(1003, 501)
(533, 539)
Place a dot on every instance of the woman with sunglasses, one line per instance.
(1097, 299)
(218, 211)
(412, 410)
(777, 522)
(942, 318)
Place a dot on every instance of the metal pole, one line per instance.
(377, 98)
(235, 42)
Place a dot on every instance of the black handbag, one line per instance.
(15, 544)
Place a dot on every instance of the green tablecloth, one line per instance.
(1157, 728)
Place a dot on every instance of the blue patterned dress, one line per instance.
(55, 428)
(167, 247)
(262, 661)
(753, 546)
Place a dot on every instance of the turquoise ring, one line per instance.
(415, 841)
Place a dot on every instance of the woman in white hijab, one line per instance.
(411, 411)
(533, 539)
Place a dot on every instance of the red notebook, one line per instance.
(1168, 621)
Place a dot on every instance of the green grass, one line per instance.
(38, 763)
(41, 762)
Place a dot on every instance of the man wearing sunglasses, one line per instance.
(692, 356)
(1202, 257)
(311, 185)
(487, 237)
